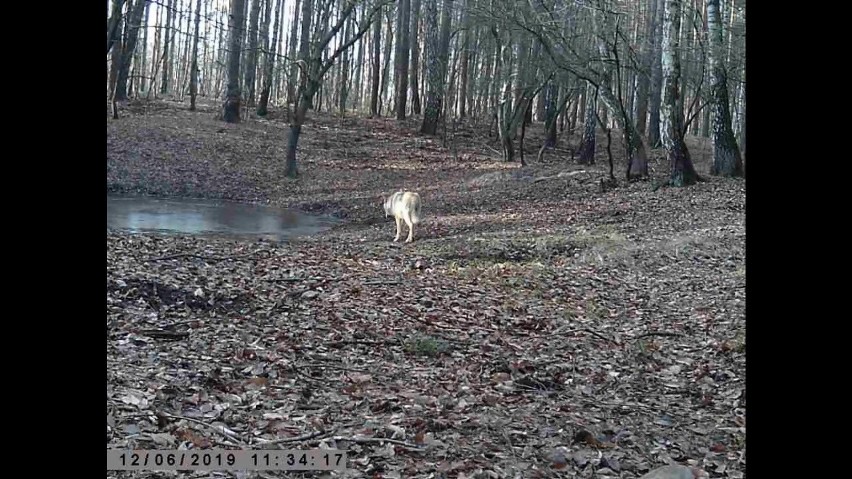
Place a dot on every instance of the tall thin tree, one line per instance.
(269, 62)
(251, 59)
(672, 131)
(193, 73)
(167, 48)
(726, 154)
(231, 109)
(402, 62)
(438, 58)
(415, 56)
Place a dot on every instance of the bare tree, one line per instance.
(376, 67)
(438, 53)
(586, 153)
(672, 131)
(313, 67)
(655, 95)
(402, 59)
(167, 47)
(465, 58)
(231, 110)
(193, 74)
(251, 59)
(269, 62)
(726, 155)
(415, 56)
(644, 75)
(292, 78)
(128, 47)
(114, 23)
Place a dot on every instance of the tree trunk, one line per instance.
(291, 171)
(167, 43)
(415, 56)
(231, 110)
(549, 100)
(402, 61)
(344, 71)
(656, 81)
(672, 131)
(644, 82)
(114, 24)
(115, 45)
(193, 73)
(304, 53)
(634, 149)
(294, 71)
(586, 153)
(465, 58)
(251, 60)
(128, 48)
(726, 155)
(438, 56)
(313, 70)
(269, 62)
(359, 70)
(386, 67)
(143, 68)
(374, 85)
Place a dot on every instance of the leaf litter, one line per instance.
(533, 329)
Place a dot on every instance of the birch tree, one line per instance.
(726, 154)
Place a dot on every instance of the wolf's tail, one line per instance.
(415, 214)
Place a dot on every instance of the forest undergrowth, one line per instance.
(538, 326)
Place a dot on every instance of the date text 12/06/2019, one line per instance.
(226, 460)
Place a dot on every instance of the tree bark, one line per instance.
(727, 160)
(586, 153)
(269, 63)
(114, 24)
(251, 61)
(128, 48)
(438, 56)
(415, 57)
(167, 44)
(231, 109)
(374, 85)
(644, 81)
(656, 81)
(402, 61)
(193, 74)
(294, 71)
(672, 131)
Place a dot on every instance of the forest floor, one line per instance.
(536, 327)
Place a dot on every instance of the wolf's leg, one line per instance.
(410, 229)
(398, 228)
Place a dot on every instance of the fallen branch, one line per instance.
(592, 332)
(160, 334)
(220, 429)
(655, 333)
(367, 440)
(303, 437)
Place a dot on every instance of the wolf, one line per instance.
(404, 206)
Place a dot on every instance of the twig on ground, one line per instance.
(220, 429)
(303, 437)
(655, 333)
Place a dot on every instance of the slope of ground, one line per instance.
(537, 327)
